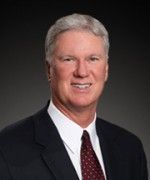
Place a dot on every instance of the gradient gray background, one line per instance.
(23, 84)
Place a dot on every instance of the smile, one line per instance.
(81, 86)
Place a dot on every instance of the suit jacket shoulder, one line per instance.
(116, 132)
(32, 149)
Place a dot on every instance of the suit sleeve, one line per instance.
(4, 171)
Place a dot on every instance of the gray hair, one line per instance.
(74, 22)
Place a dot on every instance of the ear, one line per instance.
(48, 71)
(106, 71)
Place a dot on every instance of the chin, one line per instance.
(83, 104)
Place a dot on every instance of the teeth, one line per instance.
(82, 86)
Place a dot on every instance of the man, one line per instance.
(49, 144)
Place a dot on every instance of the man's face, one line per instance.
(78, 70)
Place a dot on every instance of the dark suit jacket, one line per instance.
(33, 150)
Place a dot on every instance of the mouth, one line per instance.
(81, 85)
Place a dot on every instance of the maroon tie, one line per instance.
(90, 166)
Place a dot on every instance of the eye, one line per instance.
(94, 58)
(68, 59)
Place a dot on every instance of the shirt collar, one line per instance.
(70, 131)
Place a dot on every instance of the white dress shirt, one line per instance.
(71, 134)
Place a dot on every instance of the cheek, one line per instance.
(60, 78)
(101, 74)
(57, 73)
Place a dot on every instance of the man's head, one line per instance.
(76, 54)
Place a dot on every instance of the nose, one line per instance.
(81, 69)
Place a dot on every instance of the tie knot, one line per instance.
(85, 135)
(86, 139)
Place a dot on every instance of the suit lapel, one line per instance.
(54, 153)
(110, 151)
(59, 164)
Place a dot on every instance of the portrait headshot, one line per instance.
(74, 91)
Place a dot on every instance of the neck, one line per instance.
(83, 116)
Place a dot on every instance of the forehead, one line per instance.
(82, 40)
